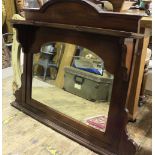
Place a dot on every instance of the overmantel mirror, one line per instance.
(76, 72)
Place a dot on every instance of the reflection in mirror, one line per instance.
(72, 80)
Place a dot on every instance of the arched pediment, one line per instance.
(82, 13)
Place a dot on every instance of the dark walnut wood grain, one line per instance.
(112, 36)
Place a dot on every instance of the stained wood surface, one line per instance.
(85, 13)
(81, 28)
(146, 22)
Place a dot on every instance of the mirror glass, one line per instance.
(72, 80)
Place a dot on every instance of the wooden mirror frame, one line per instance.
(112, 36)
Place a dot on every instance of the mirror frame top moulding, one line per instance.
(112, 36)
(74, 14)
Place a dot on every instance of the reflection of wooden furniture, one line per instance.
(112, 36)
(67, 57)
(138, 69)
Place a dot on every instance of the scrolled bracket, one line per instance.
(126, 142)
(26, 36)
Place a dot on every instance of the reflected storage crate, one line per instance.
(87, 85)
